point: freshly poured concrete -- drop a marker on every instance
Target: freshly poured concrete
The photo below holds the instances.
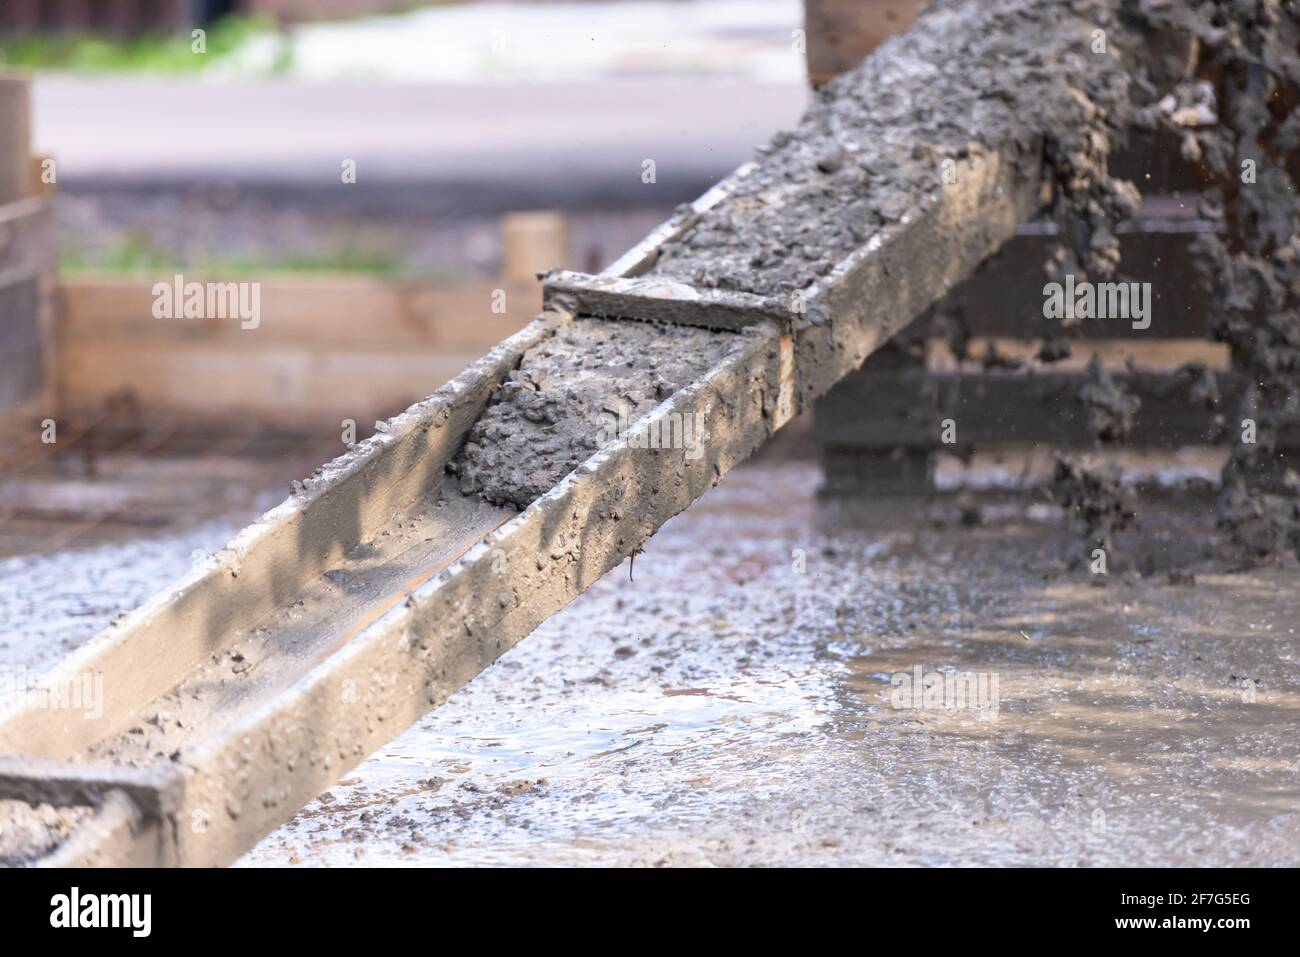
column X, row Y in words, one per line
column 572, row 394
column 1013, row 78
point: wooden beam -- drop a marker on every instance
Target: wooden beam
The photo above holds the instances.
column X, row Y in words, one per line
column 16, row 144
column 326, row 348
column 840, row 33
column 27, row 380
column 466, row 586
column 533, row 243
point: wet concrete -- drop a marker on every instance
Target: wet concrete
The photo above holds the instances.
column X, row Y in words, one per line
column 574, row 393
column 1013, row 77
column 726, row 707
column 53, row 602
column 1250, row 155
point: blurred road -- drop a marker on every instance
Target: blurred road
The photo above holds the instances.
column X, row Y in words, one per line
column 478, row 146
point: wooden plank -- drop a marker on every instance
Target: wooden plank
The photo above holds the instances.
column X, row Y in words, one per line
column 16, row 143
column 274, row 384
column 839, row 33
column 39, row 185
column 533, row 243
column 1150, row 355
column 325, row 348
column 312, row 313
column 27, row 374
column 659, row 298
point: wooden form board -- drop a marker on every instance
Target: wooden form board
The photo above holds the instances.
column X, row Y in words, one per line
column 27, row 270
column 325, row 348
column 841, row 32
column 1003, row 408
column 27, row 276
column 16, row 129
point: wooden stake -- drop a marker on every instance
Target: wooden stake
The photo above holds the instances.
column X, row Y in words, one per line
column 533, row 243
column 15, row 136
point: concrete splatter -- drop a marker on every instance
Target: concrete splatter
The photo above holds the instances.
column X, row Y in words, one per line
column 1249, row 67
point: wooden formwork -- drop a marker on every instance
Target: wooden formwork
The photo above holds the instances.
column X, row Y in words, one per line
column 841, row 32
column 28, row 270
column 326, row 348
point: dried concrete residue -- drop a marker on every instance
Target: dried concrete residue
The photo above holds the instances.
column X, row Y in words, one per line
column 1252, row 270
column 28, row 833
column 875, row 143
column 570, row 393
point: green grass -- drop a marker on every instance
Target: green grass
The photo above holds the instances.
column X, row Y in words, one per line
column 137, row 255
column 151, row 53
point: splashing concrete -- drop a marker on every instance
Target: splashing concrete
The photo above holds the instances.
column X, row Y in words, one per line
column 1252, row 271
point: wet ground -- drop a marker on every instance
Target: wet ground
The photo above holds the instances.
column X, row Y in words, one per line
column 733, row 699
column 723, row 706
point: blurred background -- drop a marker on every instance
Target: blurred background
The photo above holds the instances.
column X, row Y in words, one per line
column 453, row 113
